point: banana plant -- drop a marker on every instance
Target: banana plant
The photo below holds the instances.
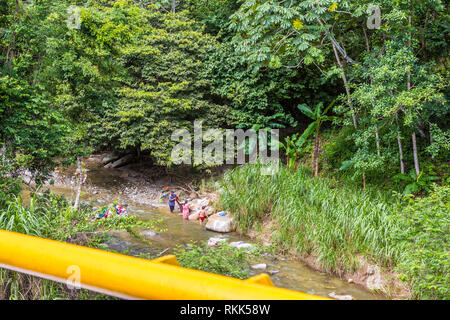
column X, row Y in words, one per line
column 292, row 150
column 319, row 117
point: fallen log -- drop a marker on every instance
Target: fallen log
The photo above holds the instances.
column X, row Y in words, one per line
column 110, row 158
column 121, row 162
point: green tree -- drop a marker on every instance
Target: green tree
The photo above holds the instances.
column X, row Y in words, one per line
column 165, row 88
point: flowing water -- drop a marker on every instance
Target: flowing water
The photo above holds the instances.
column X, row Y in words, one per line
column 285, row 273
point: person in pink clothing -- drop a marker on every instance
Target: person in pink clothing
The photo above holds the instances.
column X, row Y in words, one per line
column 186, row 210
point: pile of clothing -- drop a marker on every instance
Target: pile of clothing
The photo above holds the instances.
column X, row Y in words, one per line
column 111, row 210
column 164, row 194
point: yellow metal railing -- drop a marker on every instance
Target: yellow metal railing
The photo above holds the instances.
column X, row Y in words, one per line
column 129, row 277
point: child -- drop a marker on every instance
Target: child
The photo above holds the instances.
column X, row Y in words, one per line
column 186, row 210
column 202, row 214
column 179, row 204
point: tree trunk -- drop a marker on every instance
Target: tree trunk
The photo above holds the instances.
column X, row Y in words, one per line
column 402, row 165
column 347, row 89
column 400, row 149
column 173, row 6
column 139, row 154
column 82, row 179
column 3, row 154
column 423, row 39
column 325, row 158
column 431, row 138
column 377, row 139
column 416, row 157
column 316, row 154
column 364, row 180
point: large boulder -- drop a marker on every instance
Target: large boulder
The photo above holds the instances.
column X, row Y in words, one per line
column 149, row 233
column 209, row 211
column 193, row 195
column 220, row 224
column 199, row 203
column 194, row 216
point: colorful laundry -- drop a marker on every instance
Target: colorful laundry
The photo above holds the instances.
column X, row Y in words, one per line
column 111, row 210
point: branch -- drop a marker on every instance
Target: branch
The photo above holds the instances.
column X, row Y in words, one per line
column 296, row 66
column 338, row 47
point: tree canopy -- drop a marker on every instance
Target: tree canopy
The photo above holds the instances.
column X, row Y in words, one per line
column 132, row 72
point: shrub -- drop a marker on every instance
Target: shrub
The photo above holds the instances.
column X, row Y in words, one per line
column 424, row 230
column 223, row 259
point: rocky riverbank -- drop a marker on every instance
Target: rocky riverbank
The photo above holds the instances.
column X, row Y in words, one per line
column 111, row 176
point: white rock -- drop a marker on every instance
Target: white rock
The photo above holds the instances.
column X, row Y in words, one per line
column 214, row 241
column 109, row 158
column 120, row 162
column 194, row 216
column 149, row 233
column 243, row 245
column 261, row 266
column 374, row 280
column 236, row 243
column 220, row 224
column 274, row 272
column 335, row 296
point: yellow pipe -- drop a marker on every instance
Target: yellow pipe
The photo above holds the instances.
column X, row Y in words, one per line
column 131, row 277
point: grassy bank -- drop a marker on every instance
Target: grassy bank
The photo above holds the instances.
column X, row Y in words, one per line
column 337, row 223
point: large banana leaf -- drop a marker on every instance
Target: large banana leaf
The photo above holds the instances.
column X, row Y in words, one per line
column 346, row 164
column 311, row 128
column 318, row 108
column 329, row 106
column 307, row 111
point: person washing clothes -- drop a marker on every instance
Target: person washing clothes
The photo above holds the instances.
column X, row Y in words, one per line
column 186, row 210
column 172, row 198
column 177, row 199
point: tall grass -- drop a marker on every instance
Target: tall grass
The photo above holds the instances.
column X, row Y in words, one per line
column 338, row 222
column 28, row 220
column 321, row 217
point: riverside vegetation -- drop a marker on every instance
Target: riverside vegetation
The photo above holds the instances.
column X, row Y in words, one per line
column 337, row 223
column 51, row 216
